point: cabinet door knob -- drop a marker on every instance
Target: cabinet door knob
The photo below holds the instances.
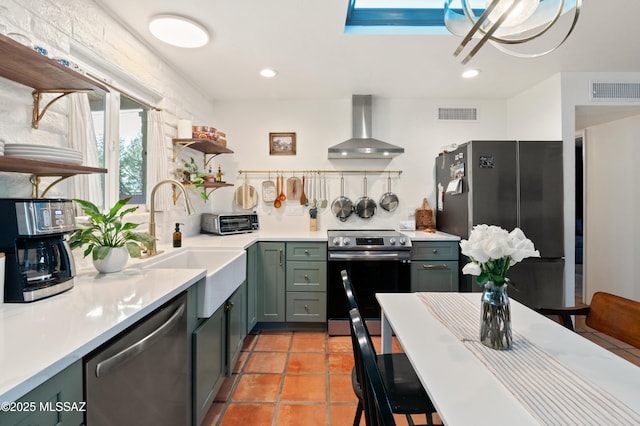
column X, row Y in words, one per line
column 306, row 308
column 306, row 277
column 434, row 251
column 306, row 252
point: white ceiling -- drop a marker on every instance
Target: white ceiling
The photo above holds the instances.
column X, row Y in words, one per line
column 305, row 41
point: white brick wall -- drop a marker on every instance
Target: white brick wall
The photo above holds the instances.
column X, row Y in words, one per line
column 54, row 24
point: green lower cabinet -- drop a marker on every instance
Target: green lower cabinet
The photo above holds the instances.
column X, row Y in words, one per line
column 57, row 402
column 434, row 266
column 434, row 276
column 209, row 362
column 252, row 287
column 271, row 282
column 306, row 306
column 237, row 320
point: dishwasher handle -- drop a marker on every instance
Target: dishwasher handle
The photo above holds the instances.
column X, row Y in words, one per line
column 104, row 367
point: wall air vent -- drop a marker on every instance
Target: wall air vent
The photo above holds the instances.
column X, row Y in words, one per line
column 601, row 91
column 458, row 114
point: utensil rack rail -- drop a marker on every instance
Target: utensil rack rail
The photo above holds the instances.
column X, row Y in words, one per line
column 338, row 172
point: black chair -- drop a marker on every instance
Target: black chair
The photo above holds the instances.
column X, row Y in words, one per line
column 406, row 394
column 377, row 407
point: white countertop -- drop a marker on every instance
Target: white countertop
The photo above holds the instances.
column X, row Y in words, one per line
column 40, row 339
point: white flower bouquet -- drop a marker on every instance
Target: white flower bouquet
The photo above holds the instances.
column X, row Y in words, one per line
column 493, row 251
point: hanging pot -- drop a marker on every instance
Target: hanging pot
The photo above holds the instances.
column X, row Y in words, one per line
column 389, row 200
column 342, row 207
column 365, row 207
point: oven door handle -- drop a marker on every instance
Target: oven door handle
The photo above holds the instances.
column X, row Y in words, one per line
column 370, row 256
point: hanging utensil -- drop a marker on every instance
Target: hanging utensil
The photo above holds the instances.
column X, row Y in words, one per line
column 323, row 199
column 277, row 203
column 389, row 200
column 293, row 188
column 342, row 207
column 303, row 196
column 314, row 196
column 269, row 190
column 246, row 196
column 282, row 196
column 365, row 207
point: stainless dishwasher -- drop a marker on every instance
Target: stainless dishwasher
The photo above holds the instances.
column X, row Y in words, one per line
column 140, row 377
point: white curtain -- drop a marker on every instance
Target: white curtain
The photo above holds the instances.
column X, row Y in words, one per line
column 158, row 161
column 82, row 137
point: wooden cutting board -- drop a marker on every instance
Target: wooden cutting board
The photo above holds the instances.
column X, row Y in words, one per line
column 294, row 188
column 425, row 216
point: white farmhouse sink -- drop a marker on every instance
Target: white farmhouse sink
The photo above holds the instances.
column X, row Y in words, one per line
column 226, row 270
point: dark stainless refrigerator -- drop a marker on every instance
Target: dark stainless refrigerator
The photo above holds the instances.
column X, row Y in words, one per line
column 509, row 184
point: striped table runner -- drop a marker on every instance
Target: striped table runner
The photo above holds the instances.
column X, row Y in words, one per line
column 550, row 391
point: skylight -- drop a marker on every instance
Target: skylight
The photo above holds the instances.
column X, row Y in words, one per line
column 395, row 17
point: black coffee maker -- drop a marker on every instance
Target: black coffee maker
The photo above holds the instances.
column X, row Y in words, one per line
column 39, row 262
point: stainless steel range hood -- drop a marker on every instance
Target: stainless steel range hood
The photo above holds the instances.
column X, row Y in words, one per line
column 362, row 145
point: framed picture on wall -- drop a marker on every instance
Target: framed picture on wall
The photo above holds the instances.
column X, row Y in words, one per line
column 282, row 144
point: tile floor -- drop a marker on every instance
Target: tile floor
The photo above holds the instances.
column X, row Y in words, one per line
column 290, row 378
column 622, row 349
column 304, row 378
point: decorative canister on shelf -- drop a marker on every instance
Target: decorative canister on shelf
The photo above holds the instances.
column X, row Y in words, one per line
column 492, row 251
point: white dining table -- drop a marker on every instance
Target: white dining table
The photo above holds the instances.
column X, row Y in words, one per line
column 466, row 392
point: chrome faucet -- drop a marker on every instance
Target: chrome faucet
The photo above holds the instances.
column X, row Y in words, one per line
column 152, row 215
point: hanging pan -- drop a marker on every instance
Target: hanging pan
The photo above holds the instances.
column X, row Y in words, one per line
column 342, row 207
column 365, row 207
column 389, row 200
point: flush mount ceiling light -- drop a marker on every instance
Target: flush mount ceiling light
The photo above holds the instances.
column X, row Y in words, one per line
column 470, row 73
column 178, row 31
column 268, row 72
column 508, row 24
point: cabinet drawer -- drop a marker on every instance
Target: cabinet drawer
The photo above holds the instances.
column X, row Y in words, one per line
column 306, row 276
column 434, row 276
column 306, row 306
column 307, row 251
column 434, row 250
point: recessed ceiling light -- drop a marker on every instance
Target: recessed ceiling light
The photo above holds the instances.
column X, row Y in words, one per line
column 178, row 31
column 268, row 73
column 470, row 73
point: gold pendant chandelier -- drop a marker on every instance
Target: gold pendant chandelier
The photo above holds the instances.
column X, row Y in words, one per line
column 521, row 28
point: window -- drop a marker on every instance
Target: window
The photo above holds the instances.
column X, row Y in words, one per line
column 120, row 124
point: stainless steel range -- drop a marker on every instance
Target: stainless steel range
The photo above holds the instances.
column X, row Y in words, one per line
column 377, row 261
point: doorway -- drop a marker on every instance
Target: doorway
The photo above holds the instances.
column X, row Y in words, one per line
column 579, row 220
column 601, row 164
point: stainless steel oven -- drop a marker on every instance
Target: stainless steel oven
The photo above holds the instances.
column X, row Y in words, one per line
column 377, row 261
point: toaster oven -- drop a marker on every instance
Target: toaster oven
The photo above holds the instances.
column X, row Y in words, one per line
column 228, row 223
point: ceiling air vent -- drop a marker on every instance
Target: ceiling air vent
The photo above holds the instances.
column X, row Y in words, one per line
column 615, row 91
column 458, row 114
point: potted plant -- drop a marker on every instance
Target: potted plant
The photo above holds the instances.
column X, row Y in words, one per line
column 196, row 177
column 106, row 236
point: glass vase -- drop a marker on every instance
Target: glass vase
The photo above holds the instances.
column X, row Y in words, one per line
column 495, row 317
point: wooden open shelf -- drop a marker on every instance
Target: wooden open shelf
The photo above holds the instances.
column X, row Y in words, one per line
column 44, row 168
column 28, row 67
